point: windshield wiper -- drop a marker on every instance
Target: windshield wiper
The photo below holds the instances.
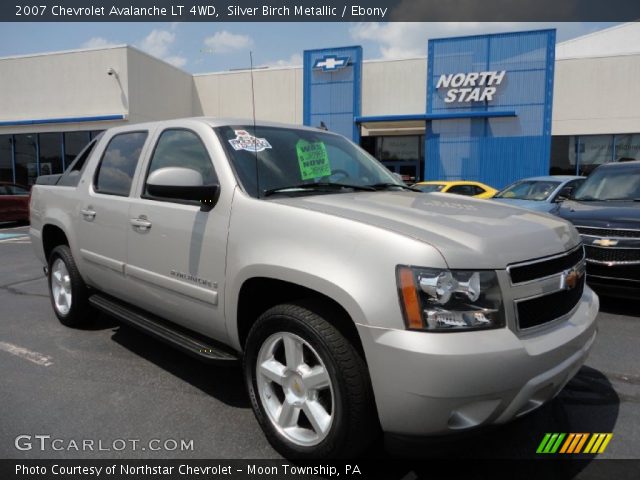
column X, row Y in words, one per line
column 622, row 200
column 383, row 186
column 319, row 186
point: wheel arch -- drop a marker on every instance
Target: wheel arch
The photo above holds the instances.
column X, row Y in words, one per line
column 52, row 236
column 259, row 293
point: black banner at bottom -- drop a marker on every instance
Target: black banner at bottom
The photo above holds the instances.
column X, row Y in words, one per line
column 395, row 469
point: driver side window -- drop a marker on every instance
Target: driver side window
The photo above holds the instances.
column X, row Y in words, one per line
column 181, row 148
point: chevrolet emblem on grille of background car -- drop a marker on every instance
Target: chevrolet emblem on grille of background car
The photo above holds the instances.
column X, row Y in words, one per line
column 605, row 242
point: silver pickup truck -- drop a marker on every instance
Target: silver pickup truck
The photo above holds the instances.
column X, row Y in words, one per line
column 354, row 303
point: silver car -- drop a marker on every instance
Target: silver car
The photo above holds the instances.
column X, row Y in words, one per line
column 542, row 194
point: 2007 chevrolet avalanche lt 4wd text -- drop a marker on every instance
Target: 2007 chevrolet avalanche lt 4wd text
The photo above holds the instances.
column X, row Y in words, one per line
column 353, row 302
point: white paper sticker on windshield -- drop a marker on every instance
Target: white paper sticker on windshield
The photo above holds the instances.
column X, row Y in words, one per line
column 245, row 141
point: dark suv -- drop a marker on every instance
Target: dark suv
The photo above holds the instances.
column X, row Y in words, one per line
column 606, row 212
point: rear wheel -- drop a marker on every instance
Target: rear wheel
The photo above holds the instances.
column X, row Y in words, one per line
column 67, row 290
column 308, row 385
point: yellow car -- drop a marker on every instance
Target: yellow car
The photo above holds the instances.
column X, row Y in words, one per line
column 461, row 187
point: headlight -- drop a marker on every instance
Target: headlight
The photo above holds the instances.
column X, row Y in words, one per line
column 438, row 300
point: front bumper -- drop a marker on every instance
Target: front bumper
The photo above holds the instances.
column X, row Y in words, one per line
column 440, row 383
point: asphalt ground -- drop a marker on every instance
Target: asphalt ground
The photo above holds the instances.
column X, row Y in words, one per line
column 111, row 384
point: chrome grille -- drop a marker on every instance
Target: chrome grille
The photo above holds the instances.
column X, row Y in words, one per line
column 608, row 232
column 612, row 255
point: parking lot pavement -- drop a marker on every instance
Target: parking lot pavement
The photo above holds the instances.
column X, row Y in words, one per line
column 110, row 382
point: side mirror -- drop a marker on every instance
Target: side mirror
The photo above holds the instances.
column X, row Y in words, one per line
column 565, row 194
column 183, row 184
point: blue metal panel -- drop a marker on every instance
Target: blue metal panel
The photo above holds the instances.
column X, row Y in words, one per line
column 332, row 89
column 467, row 142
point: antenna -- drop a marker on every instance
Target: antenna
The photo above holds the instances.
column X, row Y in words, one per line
column 255, row 133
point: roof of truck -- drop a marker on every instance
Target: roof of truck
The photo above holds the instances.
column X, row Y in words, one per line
column 217, row 122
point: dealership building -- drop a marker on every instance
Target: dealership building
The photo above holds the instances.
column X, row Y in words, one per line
column 493, row 108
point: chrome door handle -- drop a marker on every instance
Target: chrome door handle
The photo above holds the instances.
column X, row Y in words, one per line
column 88, row 215
column 141, row 224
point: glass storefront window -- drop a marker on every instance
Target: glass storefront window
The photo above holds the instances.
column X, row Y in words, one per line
column 563, row 155
column 50, row 153
column 401, row 154
column 26, row 159
column 6, row 159
column 74, row 142
column 627, row 147
column 401, row 148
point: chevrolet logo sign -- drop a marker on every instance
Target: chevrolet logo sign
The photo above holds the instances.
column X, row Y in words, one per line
column 330, row 63
column 605, row 242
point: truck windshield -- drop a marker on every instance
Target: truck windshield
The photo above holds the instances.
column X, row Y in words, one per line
column 608, row 184
column 290, row 161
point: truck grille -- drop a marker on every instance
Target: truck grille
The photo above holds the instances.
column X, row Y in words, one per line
column 542, row 268
column 545, row 309
column 608, row 232
column 612, row 255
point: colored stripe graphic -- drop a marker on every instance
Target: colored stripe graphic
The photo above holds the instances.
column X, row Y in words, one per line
column 550, row 443
column 581, row 443
column 543, row 443
column 606, row 442
column 574, row 443
column 567, row 443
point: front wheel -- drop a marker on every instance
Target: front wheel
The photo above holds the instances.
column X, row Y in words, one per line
column 309, row 387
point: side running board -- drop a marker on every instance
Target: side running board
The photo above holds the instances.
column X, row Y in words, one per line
column 190, row 342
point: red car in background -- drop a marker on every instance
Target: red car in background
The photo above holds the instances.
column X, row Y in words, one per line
column 14, row 203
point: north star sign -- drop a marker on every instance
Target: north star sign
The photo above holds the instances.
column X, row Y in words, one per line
column 329, row 63
column 470, row 87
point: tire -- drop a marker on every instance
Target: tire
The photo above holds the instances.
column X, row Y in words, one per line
column 67, row 291
column 326, row 415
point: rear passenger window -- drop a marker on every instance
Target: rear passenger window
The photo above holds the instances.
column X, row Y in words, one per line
column 182, row 148
column 118, row 164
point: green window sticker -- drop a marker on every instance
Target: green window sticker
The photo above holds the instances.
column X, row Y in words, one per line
column 313, row 159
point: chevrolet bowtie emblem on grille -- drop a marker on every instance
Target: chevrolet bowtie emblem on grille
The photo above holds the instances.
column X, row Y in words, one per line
column 605, row 242
column 569, row 279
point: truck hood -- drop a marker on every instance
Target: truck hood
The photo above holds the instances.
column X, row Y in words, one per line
column 542, row 206
column 610, row 214
column 469, row 233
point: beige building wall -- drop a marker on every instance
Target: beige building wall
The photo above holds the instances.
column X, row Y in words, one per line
column 157, row 90
column 63, row 85
column 278, row 94
column 592, row 95
column 597, row 95
column 394, row 87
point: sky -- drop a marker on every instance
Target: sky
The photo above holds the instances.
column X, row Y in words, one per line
column 209, row 47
